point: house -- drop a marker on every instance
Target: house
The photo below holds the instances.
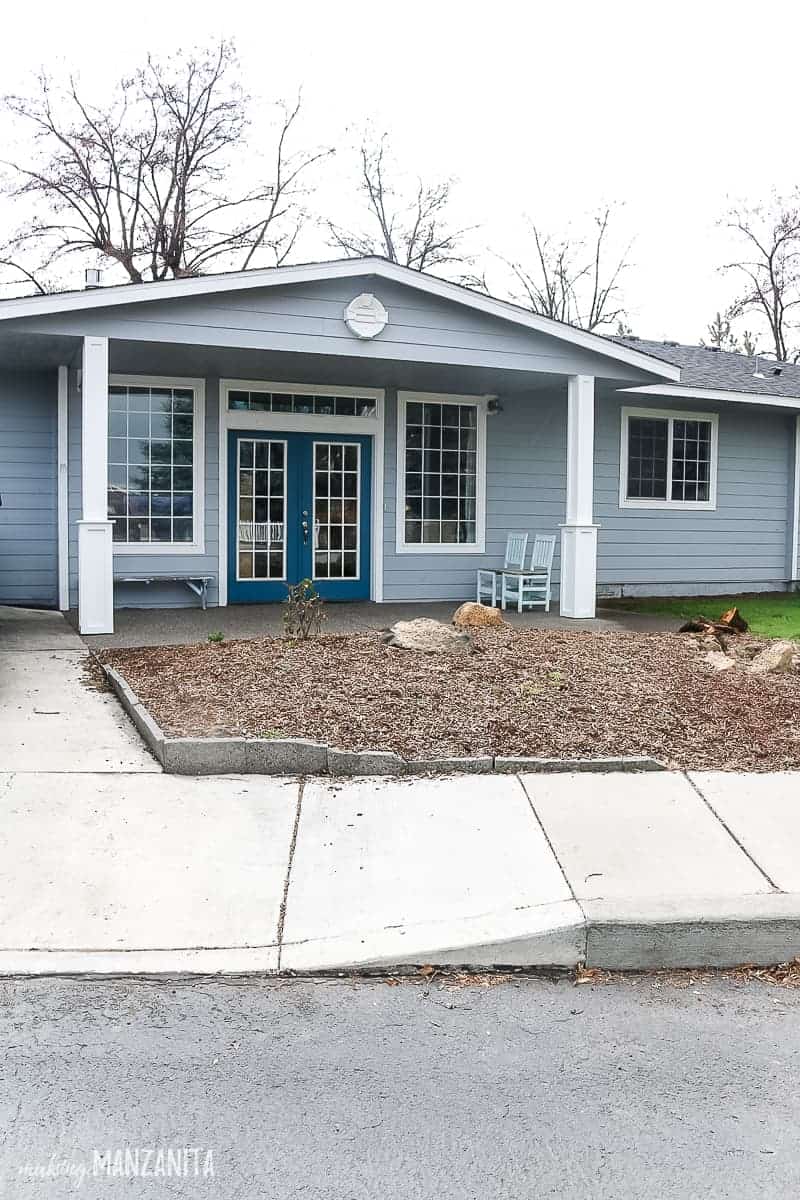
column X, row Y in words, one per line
column 380, row 431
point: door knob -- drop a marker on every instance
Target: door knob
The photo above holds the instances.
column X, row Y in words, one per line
column 304, row 526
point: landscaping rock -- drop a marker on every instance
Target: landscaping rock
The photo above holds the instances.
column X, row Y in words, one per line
column 719, row 660
column 428, row 636
column 778, row 656
column 477, row 615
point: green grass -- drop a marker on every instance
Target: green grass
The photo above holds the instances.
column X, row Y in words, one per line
column 776, row 615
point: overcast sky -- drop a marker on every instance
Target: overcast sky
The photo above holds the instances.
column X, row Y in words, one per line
column 541, row 109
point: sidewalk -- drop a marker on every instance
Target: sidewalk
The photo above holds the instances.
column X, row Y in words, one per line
column 141, row 872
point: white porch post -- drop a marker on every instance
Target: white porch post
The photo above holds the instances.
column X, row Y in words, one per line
column 95, row 562
column 578, row 533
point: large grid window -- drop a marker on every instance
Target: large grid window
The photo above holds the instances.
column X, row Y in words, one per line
column 668, row 459
column 441, row 474
column 151, row 464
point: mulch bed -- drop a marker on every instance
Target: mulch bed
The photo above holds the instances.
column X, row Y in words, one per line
column 548, row 693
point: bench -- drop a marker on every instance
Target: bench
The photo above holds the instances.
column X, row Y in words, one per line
column 195, row 583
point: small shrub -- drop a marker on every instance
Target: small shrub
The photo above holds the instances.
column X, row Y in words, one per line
column 302, row 612
column 219, row 636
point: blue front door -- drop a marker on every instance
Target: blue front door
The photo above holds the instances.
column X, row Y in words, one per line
column 299, row 508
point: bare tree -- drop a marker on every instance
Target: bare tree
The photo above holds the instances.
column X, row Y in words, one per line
column 406, row 223
column 770, row 268
column 721, row 335
column 569, row 279
column 144, row 180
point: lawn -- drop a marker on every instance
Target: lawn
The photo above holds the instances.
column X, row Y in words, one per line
column 775, row 615
column 544, row 692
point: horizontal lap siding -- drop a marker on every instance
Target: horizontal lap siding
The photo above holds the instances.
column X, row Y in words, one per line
column 744, row 543
column 525, row 489
column 155, row 595
column 309, row 319
column 29, row 488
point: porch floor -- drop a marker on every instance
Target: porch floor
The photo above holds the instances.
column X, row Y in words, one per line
column 182, row 626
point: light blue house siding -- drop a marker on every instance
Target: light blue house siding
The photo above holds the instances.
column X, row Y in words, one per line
column 155, row 595
column 745, row 544
column 526, row 447
column 28, row 486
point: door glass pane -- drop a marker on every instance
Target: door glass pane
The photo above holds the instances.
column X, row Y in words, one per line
column 337, row 471
column 262, row 522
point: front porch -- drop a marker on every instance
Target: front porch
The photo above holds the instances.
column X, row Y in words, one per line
column 192, row 626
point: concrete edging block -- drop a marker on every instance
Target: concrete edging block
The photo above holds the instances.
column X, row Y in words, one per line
column 285, row 756
column 365, row 762
column 149, row 730
column 567, row 765
column 482, row 764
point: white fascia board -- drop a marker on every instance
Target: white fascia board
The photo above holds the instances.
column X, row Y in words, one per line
column 202, row 285
column 687, row 392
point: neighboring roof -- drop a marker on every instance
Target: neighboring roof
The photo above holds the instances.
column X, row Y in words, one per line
column 707, row 370
column 171, row 289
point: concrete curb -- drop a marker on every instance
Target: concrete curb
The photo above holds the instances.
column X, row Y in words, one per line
column 621, row 935
column 300, row 756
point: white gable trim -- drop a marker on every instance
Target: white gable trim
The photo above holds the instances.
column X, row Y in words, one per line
column 687, row 392
column 353, row 268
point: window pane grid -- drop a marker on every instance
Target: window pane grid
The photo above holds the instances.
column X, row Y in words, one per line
column 261, row 497
column 336, row 508
column 669, row 458
column 306, row 403
column 440, row 473
column 151, row 464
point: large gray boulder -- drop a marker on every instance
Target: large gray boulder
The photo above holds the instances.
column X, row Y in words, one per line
column 777, row 656
column 428, row 636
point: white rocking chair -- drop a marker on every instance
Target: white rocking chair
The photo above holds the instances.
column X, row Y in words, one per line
column 516, row 545
column 531, row 587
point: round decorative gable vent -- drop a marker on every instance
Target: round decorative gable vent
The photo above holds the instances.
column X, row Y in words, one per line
column 365, row 316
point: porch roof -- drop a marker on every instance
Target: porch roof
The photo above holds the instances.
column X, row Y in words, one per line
column 33, row 308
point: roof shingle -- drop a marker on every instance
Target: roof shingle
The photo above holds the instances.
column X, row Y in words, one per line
column 723, row 370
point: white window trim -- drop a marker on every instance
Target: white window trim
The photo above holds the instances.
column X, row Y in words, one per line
column 477, row 547
column 304, row 423
column 664, row 414
column 197, row 546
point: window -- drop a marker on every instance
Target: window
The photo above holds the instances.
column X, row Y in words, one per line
column 302, row 402
column 155, row 464
column 668, row 460
column 441, row 449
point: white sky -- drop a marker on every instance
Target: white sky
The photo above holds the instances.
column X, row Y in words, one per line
column 546, row 109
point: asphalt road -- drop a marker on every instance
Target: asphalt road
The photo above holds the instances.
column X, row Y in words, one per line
column 349, row 1089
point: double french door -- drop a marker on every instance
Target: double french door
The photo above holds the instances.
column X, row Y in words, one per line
column 299, row 508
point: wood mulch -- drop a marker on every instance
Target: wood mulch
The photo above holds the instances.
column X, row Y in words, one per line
column 548, row 693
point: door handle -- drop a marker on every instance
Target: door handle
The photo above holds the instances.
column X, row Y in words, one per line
column 304, row 527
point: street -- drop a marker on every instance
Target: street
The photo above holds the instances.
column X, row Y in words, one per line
column 426, row 1087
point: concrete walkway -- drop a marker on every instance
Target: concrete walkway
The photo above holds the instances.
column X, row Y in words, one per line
column 143, row 873
column 50, row 719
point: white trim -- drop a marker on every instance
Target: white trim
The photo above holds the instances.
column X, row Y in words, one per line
column 63, row 488
column 353, row 268
column 796, row 514
column 479, row 545
column 580, row 450
column 669, row 415
column 688, row 392
column 197, row 545
column 241, row 418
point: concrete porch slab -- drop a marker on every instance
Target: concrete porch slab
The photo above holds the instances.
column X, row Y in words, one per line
column 443, row 870
column 631, row 837
column 763, row 813
column 142, row 862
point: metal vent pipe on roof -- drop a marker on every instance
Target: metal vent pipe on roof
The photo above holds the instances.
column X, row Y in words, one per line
column 94, row 277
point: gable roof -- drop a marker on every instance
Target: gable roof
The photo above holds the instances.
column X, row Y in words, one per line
column 704, row 369
column 203, row 285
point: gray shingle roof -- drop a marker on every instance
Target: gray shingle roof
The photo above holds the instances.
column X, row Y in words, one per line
column 721, row 370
